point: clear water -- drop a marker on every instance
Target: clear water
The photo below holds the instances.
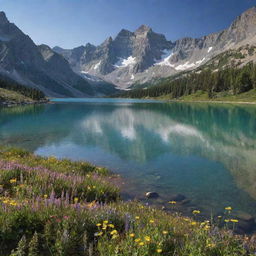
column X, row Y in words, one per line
column 204, row 151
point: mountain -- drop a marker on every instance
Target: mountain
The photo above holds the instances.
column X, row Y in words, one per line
column 38, row 66
column 138, row 57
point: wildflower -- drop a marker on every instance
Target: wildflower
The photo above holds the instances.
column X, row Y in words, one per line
column 76, row 199
column 228, row 208
column 45, row 196
column 165, row 232
column 151, row 221
column 193, row 223
column 137, row 240
column 98, row 224
column 13, row 181
column 172, row 202
column 226, row 220
column 111, row 225
column 132, row 235
column 219, row 217
column 137, row 217
column 207, row 227
column 113, row 232
column 105, row 221
column 234, row 220
column 159, row 250
column 147, row 238
column 196, row 212
column 98, row 234
column 141, row 243
column 210, row 245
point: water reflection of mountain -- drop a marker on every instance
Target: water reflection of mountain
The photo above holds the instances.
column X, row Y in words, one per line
column 142, row 132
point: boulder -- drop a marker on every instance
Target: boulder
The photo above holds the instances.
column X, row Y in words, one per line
column 177, row 197
column 151, row 195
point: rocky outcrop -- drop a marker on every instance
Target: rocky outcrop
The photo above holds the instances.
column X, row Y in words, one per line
column 39, row 66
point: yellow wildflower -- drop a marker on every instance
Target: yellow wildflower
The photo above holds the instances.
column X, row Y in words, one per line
column 172, row 202
column 113, row 232
column 137, row 240
column 45, row 196
column 141, row 243
column 193, row 223
column 76, row 199
column 234, row 220
column 137, row 217
column 147, row 238
column 132, row 235
column 151, row 221
column 207, row 227
column 196, row 212
column 99, row 234
column 226, row 220
column 98, row 224
column 105, row 221
column 111, row 225
column 159, row 250
column 228, row 208
column 210, row 245
column 13, row 181
column 165, row 232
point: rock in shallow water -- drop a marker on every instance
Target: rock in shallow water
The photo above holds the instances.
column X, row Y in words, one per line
column 177, row 197
column 151, row 195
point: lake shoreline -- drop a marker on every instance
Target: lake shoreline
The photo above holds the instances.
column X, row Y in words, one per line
column 213, row 101
column 15, row 104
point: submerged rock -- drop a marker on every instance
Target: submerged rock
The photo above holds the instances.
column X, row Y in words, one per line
column 244, row 216
column 177, row 197
column 246, row 222
column 151, row 195
column 185, row 201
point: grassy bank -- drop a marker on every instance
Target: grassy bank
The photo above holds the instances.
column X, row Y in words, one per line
column 9, row 97
column 60, row 207
column 222, row 97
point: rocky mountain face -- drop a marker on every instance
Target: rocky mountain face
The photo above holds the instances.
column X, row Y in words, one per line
column 39, row 66
column 138, row 57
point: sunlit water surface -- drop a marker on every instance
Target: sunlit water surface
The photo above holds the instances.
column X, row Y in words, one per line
column 206, row 152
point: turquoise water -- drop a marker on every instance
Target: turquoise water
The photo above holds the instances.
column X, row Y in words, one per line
column 206, row 152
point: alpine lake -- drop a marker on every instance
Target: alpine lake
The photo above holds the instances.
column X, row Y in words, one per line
column 203, row 155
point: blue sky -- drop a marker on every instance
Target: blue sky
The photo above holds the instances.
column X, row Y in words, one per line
column 70, row 23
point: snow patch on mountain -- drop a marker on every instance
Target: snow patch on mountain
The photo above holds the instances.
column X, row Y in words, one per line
column 164, row 61
column 209, row 49
column 97, row 65
column 121, row 63
column 188, row 65
column 86, row 75
column 200, row 61
column 185, row 66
